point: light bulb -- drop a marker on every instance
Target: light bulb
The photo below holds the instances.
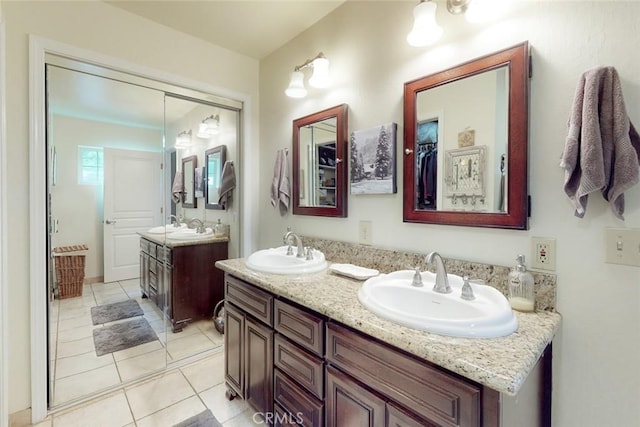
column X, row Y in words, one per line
column 296, row 87
column 425, row 30
column 320, row 77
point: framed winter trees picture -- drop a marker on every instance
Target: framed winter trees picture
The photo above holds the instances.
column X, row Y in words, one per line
column 373, row 160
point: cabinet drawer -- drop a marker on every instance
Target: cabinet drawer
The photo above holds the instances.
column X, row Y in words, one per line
column 165, row 254
column 283, row 419
column 250, row 299
column 306, row 409
column 144, row 245
column 434, row 394
column 399, row 417
column 300, row 326
column 305, row 368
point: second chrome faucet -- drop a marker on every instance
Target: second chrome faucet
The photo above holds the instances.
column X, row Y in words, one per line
column 442, row 281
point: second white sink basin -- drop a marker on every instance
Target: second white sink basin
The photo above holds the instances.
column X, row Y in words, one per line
column 276, row 261
column 169, row 228
column 392, row 297
column 190, row 234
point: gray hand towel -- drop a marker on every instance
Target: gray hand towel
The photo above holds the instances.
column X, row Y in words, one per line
column 227, row 184
column 177, row 188
column 601, row 149
column 280, row 183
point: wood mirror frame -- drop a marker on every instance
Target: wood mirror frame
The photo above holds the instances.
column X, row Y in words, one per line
column 516, row 60
column 189, row 181
column 211, row 197
column 339, row 209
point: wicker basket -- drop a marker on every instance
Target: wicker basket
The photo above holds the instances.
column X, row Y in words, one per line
column 69, row 272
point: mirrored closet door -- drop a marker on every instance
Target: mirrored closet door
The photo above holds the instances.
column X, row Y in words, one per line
column 122, row 300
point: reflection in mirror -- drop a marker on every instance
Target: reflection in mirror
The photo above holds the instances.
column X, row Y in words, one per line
column 466, row 143
column 319, row 169
column 189, row 165
column 214, row 159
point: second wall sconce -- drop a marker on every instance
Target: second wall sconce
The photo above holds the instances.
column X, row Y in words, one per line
column 209, row 126
column 319, row 78
column 183, row 140
column 426, row 30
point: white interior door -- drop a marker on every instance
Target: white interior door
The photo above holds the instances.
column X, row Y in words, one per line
column 132, row 203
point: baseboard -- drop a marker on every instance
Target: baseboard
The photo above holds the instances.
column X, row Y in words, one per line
column 20, row 418
column 91, row 280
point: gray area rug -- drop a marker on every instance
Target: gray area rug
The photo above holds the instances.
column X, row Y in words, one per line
column 203, row 419
column 122, row 335
column 116, row 311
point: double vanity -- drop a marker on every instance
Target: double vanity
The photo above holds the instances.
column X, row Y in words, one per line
column 304, row 348
column 177, row 272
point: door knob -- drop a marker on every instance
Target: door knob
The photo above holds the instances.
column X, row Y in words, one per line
column 109, row 222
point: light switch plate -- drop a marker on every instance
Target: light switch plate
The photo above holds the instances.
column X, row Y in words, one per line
column 622, row 246
column 364, row 235
column 543, row 253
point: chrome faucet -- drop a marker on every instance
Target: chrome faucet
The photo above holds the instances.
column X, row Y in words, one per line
column 176, row 223
column 198, row 221
column 442, row 281
column 298, row 241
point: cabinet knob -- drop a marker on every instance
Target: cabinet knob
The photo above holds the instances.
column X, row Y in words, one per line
column 338, row 160
column 109, row 222
column 408, row 151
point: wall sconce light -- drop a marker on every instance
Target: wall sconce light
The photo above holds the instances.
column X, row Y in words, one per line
column 319, row 78
column 183, row 140
column 208, row 126
column 426, row 30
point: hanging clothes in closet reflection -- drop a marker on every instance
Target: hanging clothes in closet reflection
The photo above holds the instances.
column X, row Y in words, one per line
column 427, row 167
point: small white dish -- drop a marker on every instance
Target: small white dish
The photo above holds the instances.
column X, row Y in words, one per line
column 354, row 271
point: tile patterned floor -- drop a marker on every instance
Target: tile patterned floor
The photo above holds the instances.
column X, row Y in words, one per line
column 77, row 371
column 164, row 400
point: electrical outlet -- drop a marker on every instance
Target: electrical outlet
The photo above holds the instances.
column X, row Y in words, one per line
column 543, row 251
column 622, row 246
column 365, row 236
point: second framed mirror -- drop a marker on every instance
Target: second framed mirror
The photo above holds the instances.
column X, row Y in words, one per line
column 465, row 143
column 214, row 159
column 320, row 163
column 189, row 165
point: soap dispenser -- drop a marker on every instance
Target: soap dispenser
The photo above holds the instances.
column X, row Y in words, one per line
column 521, row 295
column 218, row 229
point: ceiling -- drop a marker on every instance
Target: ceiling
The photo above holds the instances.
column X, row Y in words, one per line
column 253, row 28
column 236, row 25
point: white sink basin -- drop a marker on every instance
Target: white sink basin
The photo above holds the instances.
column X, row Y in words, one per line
column 276, row 261
column 169, row 228
column 392, row 297
column 190, row 234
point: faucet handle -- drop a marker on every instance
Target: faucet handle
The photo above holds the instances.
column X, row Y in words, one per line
column 308, row 253
column 417, row 278
column 467, row 291
column 289, row 250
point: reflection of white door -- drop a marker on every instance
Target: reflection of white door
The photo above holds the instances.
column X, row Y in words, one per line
column 132, row 203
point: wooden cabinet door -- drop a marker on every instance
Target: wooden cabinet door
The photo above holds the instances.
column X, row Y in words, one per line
column 162, row 284
column 258, row 368
column 350, row 404
column 234, row 348
column 144, row 274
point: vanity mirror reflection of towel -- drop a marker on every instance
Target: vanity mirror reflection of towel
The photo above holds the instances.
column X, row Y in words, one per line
column 227, row 185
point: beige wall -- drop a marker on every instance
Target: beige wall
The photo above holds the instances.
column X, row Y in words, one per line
column 101, row 28
column 596, row 375
column 78, row 208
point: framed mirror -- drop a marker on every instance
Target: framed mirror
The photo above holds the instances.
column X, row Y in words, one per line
column 320, row 163
column 465, row 143
column 189, row 165
column 214, row 159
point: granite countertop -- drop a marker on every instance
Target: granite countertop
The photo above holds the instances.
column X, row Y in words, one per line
column 502, row 364
column 162, row 240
